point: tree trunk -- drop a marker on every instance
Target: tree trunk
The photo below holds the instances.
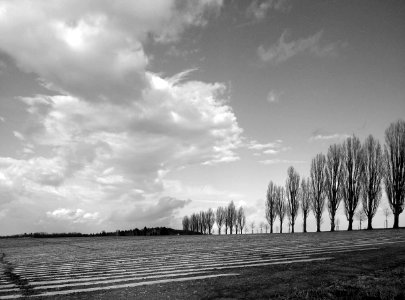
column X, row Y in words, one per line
column 281, row 227
column 350, row 228
column 292, row 227
column 305, row 223
column 271, row 227
column 396, row 220
column 369, row 225
column 318, row 224
column 332, row 223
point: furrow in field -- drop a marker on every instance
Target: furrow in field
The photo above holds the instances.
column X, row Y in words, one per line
column 165, row 269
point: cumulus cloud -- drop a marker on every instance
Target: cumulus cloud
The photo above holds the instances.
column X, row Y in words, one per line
column 94, row 49
column 113, row 130
column 161, row 213
column 258, row 10
column 283, row 50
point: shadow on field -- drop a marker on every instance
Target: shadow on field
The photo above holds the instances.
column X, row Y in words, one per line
column 10, row 276
column 375, row 274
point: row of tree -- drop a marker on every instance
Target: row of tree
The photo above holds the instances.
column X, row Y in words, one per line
column 227, row 216
column 350, row 172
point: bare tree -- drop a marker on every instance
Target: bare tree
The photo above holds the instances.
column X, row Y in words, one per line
column 186, row 223
column 266, row 227
column 318, row 188
column 241, row 219
column 231, row 216
column 361, row 216
column 386, row 214
column 394, row 158
column 220, row 218
column 352, row 172
column 210, row 216
column 333, row 181
column 194, row 222
column 226, row 219
column 203, row 220
column 305, row 197
column 292, row 186
column 252, row 226
column 261, row 225
column 281, row 207
column 372, row 177
column 271, row 205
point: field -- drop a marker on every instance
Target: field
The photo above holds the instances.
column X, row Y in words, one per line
column 358, row 264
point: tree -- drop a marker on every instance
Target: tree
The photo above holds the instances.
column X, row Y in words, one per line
column 226, row 219
column 394, row 158
column 372, row 177
column 305, row 197
column 333, row 180
column 220, row 218
column 210, row 217
column 186, row 223
column 352, row 172
column 318, row 188
column 266, row 227
column 252, row 226
column 271, row 205
column 231, row 215
column 194, row 223
column 361, row 216
column 241, row 219
column 281, row 206
column 261, row 225
column 292, row 186
column 386, row 214
column 203, row 222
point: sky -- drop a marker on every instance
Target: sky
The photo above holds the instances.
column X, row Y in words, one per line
column 124, row 114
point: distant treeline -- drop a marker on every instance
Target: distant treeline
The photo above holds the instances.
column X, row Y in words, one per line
column 154, row 231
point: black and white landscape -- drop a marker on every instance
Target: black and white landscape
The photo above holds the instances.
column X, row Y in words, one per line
column 243, row 129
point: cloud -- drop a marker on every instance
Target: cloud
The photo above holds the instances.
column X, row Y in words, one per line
column 73, row 216
column 94, row 49
column 258, row 10
column 273, row 97
column 161, row 213
column 113, row 130
column 281, row 161
column 327, row 137
column 275, row 147
column 18, row 135
column 283, row 50
column 2, row 119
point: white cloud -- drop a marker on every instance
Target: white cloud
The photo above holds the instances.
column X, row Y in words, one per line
column 74, row 216
column 281, row 161
column 283, row 50
column 115, row 131
column 275, row 147
column 19, row 135
column 94, row 49
column 2, row 119
column 273, row 96
column 326, row 137
column 259, row 9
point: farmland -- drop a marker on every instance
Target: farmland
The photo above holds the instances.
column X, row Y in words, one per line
column 245, row 266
